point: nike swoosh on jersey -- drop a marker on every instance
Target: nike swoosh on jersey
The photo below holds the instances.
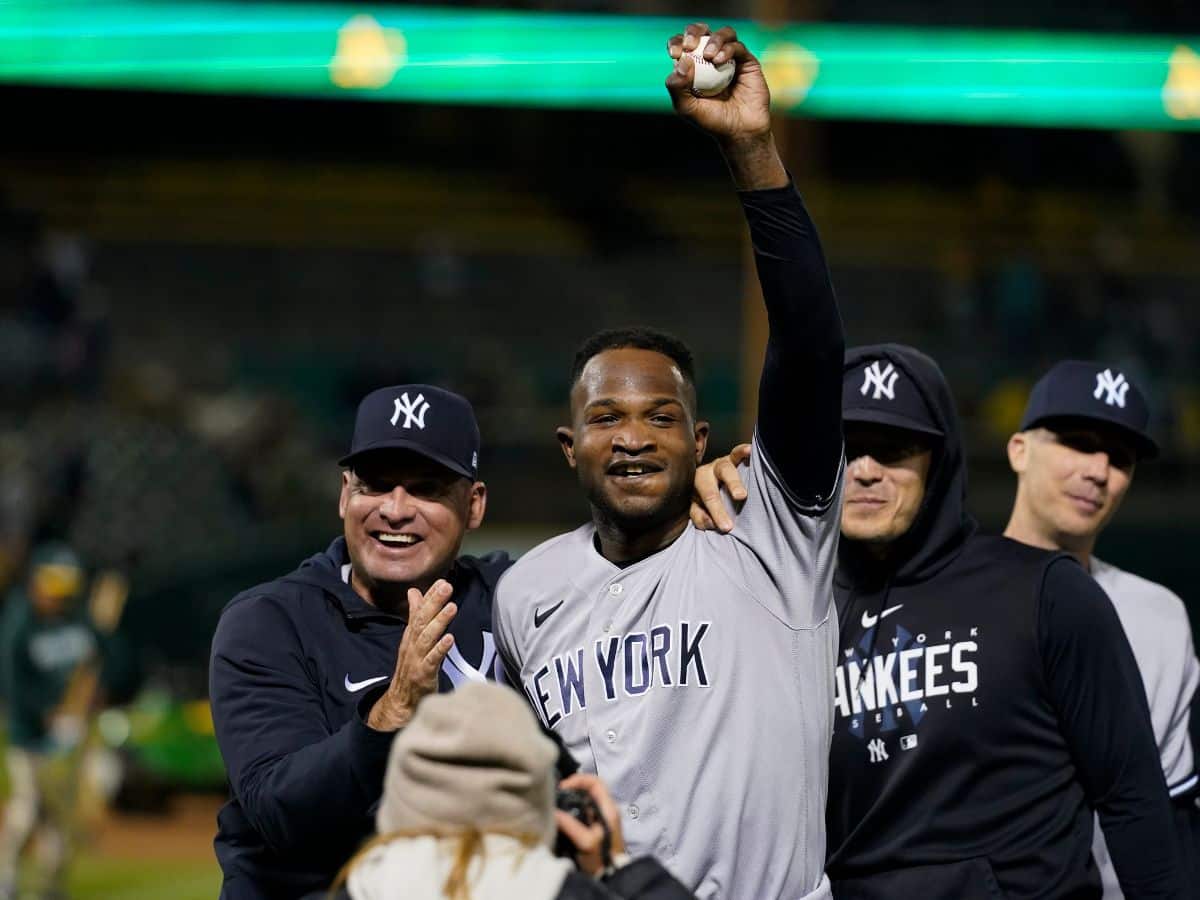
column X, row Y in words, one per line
column 869, row 621
column 355, row 686
column 539, row 617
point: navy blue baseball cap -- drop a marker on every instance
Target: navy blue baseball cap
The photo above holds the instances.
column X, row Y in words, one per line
column 879, row 391
column 1076, row 389
column 433, row 422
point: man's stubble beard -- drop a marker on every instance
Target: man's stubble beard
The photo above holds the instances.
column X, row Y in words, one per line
column 667, row 509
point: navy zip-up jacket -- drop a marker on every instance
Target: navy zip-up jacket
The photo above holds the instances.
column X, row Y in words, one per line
column 296, row 665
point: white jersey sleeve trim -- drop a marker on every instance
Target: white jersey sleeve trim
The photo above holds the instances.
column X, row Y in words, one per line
column 1184, row 786
column 823, row 503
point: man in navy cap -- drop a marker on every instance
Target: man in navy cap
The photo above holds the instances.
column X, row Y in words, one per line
column 306, row 682
column 311, row 675
column 1081, row 438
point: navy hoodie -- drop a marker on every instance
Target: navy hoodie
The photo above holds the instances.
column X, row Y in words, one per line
column 986, row 701
column 296, row 665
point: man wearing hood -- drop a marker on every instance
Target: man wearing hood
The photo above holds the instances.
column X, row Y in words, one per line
column 986, row 697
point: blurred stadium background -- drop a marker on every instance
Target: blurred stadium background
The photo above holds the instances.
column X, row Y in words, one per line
column 196, row 288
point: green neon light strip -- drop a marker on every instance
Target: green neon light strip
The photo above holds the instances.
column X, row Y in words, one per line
column 587, row 61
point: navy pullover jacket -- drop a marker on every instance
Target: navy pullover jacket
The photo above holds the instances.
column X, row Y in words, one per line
column 296, row 665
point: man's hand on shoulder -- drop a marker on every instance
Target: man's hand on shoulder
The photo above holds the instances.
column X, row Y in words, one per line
column 708, row 508
column 739, row 118
column 423, row 648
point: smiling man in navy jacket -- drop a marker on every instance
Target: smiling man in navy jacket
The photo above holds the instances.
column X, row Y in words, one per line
column 306, row 682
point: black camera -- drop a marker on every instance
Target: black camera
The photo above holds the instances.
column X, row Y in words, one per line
column 579, row 805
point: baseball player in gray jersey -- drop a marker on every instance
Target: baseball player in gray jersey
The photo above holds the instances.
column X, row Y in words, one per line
column 693, row 670
column 1083, row 432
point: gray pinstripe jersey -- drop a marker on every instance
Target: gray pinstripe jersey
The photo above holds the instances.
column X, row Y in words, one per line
column 698, row 683
column 1156, row 623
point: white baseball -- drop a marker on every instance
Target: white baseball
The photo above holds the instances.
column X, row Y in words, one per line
column 709, row 80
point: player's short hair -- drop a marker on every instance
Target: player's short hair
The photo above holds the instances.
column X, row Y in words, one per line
column 639, row 339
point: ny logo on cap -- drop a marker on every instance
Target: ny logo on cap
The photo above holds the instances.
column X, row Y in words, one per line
column 1113, row 388
column 414, row 411
column 884, row 381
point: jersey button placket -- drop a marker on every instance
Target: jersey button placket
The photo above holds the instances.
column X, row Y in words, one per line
column 614, row 590
column 605, row 741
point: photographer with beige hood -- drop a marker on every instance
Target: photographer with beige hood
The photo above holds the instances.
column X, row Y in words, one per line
column 468, row 811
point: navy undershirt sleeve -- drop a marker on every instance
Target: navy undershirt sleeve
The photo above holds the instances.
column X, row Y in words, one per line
column 799, row 395
column 1097, row 691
